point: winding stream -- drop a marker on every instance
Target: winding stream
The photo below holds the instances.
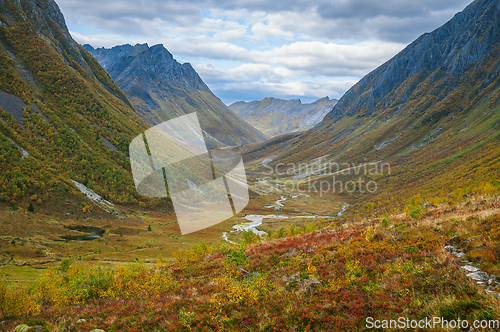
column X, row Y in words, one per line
column 343, row 209
column 255, row 220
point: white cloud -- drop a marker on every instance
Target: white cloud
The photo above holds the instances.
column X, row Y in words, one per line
column 390, row 20
column 333, row 59
column 287, row 48
column 102, row 40
column 269, row 28
column 304, row 59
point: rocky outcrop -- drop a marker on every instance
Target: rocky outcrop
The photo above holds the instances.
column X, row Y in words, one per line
column 151, row 64
column 488, row 282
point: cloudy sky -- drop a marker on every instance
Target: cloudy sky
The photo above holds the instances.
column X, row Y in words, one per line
column 252, row 49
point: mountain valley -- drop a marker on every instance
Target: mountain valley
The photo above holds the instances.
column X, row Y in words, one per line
column 382, row 204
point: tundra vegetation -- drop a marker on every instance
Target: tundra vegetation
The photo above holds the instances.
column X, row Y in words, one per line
column 316, row 276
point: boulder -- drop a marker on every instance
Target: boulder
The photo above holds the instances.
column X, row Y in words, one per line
column 450, row 249
column 22, row 328
column 310, row 284
column 470, row 268
column 479, row 276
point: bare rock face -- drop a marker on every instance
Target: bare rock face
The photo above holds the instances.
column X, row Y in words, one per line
column 151, row 64
column 426, row 93
column 446, row 55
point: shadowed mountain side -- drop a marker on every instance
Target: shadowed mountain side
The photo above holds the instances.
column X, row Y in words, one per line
column 431, row 87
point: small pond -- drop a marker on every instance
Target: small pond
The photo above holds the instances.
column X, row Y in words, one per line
column 91, row 233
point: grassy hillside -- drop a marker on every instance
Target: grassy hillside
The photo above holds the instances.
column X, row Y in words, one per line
column 315, row 277
column 77, row 123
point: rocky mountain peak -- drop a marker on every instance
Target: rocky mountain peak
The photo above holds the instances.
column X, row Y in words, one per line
column 322, row 100
column 275, row 116
column 161, row 88
column 152, row 64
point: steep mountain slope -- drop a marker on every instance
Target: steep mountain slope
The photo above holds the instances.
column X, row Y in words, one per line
column 432, row 111
column 276, row 116
column 160, row 89
column 62, row 117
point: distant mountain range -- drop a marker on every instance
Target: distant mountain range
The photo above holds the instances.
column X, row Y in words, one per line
column 160, row 88
column 276, row 116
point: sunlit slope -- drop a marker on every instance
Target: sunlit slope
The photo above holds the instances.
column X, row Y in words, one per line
column 61, row 115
